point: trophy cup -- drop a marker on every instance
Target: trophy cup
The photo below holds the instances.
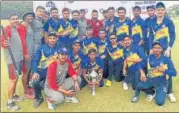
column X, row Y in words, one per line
column 93, row 75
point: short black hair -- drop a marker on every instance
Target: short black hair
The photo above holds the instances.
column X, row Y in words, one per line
column 127, row 36
column 94, row 11
column 102, row 29
column 136, row 7
column 92, row 51
column 110, row 8
column 40, row 7
column 13, row 14
column 75, row 11
column 121, row 8
column 53, row 8
column 112, row 34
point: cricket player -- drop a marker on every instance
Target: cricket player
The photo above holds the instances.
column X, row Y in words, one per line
column 89, row 41
column 46, row 16
column 52, row 24
column 64, row 29
column 105, row 16
column 58, row 88
column 74, row 26
column 102, row 44
column 115, row 63
column 135, row 60
column 138, row 27
column 27, row 24
column 44, row 56
column 122, row 26
column 89, row 64
column 159, row 68
column 37, row 27
column 16, row 40
column 163, row 30
column 109, row 25
column 95, row 23
column 82, row 23
column 76, row 56
column 151, row 17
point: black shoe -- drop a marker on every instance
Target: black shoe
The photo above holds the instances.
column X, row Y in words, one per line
column 12, row 106
column 37, row 102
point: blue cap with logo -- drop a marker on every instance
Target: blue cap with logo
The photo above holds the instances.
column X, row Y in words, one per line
column 157, row 43
column 77, row 41
column 160, row 5
column 62, row 50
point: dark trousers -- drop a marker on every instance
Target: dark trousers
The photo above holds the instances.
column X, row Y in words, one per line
column 84, row 83
column 38, row 85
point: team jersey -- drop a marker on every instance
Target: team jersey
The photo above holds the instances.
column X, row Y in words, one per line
column 153, row 63
column 138, row 30
column 96, row 66
column 89, row 43
column 44, row 56
column 162, row 32
column 115, row 52
column 51, row 25
column 135, row 52
column 74, row 29
column 76, row 59
column 122, row 28
column 101, row 45
column 110, row 24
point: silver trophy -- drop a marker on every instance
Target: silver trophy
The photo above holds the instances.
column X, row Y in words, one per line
column 93, row 75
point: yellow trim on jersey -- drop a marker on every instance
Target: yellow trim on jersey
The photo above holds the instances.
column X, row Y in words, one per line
column 116, row 54
column 123, row 29
column 101, row 49
column 137, row 30
column 133, row 56
column 164, row 32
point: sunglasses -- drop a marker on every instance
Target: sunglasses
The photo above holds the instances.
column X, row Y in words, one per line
column 112, row 38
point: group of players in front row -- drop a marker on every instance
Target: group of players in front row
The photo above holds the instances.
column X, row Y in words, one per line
column 62, row 72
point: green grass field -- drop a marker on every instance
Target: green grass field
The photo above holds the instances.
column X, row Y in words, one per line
column 107, row 99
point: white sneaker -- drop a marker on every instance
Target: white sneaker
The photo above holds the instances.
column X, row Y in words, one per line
column 125, row 86
column 172, row 98
column 150, row 97
column 50, row 105
column 71, row 99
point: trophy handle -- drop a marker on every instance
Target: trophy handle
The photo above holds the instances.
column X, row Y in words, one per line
column 93, row 90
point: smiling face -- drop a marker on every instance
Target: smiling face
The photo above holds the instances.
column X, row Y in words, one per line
column 127, row 41
column 157, row 49
column 14, row 20
column 160, row 12
column 151, row 12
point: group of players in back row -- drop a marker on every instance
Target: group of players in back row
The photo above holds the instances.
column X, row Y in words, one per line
column 60, row 53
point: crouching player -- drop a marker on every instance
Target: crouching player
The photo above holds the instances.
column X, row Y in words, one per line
column 134, row 61
column 89, row 64
column 160, row 68
column 58, row 88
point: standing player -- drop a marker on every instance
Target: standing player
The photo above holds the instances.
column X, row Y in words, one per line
column 138, row 27
column 109, row 25
column 82, row 23
column 52, row 24
column 74, row 26
column 64, row 29
column 151, row 14
column 105, row 15
column 163, row 30
column 16, row 39
column 27, row 22
column 95, row 23
column 122, row 26
column 37, row 27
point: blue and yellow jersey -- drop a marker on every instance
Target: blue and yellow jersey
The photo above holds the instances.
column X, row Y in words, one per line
column 148, row 23
column 115, row 52
column 89, row 43
column 64, row 26
column 76, row 59
column 96, row 66
column 74, row 28
column 122, row 28
column 163, row 32
column 135, row 52
column 51, row 25
column 153, row 63
column 101, row 45
column 138, row 30
column 110, row 24
column 44, row 56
